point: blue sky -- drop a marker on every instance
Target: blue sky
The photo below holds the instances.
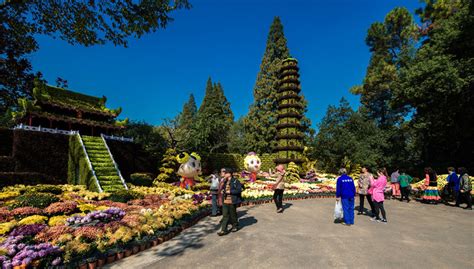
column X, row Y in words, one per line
column 153, row 77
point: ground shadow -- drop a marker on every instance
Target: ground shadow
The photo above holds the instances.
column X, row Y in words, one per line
column 287, row 205
column 190, row 239
column 366, row 211
column 247, row 221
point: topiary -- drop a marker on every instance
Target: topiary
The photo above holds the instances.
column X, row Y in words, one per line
column 292, row 174
column 39, row 200
column 169, row 165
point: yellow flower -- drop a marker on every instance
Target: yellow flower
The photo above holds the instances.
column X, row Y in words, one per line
column 7, row 227
column 8, row 195
column 57, row 220
column 35, row 219
column 87, row 207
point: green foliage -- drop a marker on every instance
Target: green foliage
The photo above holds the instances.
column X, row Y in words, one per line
column 168, row 168
column 292, row 174
column 438, row 85
column 79, row 172
column 38, row 200
column 89, row 23
column 237, row 137
column 45, row 188
column 141, row 179
column 123, row 196
column 149, row 137
column 346, row 134
column 210, row 131
column 262, row 118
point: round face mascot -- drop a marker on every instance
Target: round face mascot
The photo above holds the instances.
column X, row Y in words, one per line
column 252, row 164
column 189, row 169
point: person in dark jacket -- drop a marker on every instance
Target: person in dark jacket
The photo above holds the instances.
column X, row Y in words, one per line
column 345, row 191
column 231, row 190
column 465, row 187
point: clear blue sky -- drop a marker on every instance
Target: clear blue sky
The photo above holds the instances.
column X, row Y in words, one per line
column 153, row 77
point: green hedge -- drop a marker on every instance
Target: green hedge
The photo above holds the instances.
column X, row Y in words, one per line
column 79, row 172
column 26, row 178
column 235, row 161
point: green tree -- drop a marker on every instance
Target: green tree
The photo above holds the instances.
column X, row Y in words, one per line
column 185, row 122
column 261, row 120
column 438, row 85
column 391, row 44
column 346, row 136
column 169, row 166
column 210, row 131
column 77, row 22
column 148, row 137
column 237, row 137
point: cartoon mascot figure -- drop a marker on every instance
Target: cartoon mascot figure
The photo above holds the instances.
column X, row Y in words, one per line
column 189, row 169
column 252, row 164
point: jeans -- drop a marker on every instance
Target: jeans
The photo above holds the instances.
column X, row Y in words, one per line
column 457, row 197
column 348, row 208
column 405, row 193
column 379, row 207
column 361, row 203
column 278, row 198
column 215, row 207
column 229, row 215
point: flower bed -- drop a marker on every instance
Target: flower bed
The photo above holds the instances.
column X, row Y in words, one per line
column 43, row 226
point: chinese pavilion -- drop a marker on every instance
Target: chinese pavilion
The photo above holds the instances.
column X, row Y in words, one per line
column 290, row 112
column 59, row 108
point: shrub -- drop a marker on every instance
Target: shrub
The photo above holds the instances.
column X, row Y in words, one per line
column 39, row 200
column 54, row 189
column 124, row 196
column 141, row 179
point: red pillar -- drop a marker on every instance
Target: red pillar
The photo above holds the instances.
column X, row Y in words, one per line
column 30, row 121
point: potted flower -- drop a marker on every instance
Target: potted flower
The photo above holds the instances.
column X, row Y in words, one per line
column 92, row 262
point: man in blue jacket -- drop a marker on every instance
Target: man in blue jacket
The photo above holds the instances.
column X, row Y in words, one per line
column 345, row 191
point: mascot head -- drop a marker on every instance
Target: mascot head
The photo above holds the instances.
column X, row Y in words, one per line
column 252, row 162
column 190, row 164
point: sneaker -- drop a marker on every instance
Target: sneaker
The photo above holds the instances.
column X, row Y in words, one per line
column 234, row 229
column 373, row 219
column 382, row 220
column 359, row 213
column 280, row 210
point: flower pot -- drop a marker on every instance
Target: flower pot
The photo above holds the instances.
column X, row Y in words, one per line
column 110, row 259
column 128, row 252
column 154, row 243
column 142, row 247
column 82, row 266
column 92, row 265
column 120, row 255
column 100, row 262
column 135, row 249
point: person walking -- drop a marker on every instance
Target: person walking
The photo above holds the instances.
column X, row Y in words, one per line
column 431, row 194
column 394, row 183
column 231, row 193
column 345, row 192
column 465, row 187
column 378, row 195
column 215, row 181
column 453, row 183
column 364, row 184
column 404, row 181
column 279, row 188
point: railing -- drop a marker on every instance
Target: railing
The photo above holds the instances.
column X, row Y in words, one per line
column 119, row 138
column 45, row 130
column 115, row 164
column 89, row 163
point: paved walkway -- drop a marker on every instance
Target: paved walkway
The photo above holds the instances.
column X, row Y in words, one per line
column 304, row 236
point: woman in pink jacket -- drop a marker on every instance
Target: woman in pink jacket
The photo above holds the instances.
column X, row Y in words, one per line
column 378, row 188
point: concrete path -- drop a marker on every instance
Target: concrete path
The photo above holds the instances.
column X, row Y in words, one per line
column 304, row 236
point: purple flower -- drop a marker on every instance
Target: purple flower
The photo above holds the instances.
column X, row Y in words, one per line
column 56, row 261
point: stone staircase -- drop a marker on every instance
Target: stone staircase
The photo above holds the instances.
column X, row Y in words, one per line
column 103, row 164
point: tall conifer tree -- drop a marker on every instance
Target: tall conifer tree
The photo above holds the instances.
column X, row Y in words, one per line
column 260, row 123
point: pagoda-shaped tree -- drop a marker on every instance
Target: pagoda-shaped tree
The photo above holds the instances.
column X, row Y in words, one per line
column 290, row 112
